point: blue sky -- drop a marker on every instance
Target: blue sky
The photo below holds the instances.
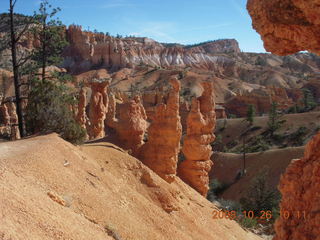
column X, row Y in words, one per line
column 181, row 21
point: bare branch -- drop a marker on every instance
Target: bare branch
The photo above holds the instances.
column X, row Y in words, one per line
column 25, row 28
column 14, row 3
column 22, row 61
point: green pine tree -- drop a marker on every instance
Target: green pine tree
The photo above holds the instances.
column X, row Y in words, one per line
column 250, row 114
column 51, row 36
column 308, row 100
column 50, row 100
column 273, row 123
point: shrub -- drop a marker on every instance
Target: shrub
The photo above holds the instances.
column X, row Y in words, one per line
column 258, row 145
column 49, row 109
column 248, row 223
column 216, row 188
column 273, row 123
column 232, row 116
column 217, row 144
column 297, row 137
column 255, row 128
column 232, row 144
column 259, row 196
column 224, row 125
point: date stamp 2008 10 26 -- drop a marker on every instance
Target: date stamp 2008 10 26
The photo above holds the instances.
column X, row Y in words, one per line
column 260, row 216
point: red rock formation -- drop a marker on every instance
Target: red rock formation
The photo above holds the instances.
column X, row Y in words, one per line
column 5, row 114
column 262, row 100
column 220, row 112
column 196, row 145
column 111, row 109
column 5, row 129
column 151, row 100
column 98, row 109
column 130, row 124
column 287, row 26
column 300, row 189
column 81, row 117
column 184, row 111
column 88, row 49
column 161, row 151
column 15, row 134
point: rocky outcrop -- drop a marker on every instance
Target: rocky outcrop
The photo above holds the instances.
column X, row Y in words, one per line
column 196, row 145
column 262, row 100
column 81, row 117
column 98, row 109
column 111, row 114
column 15, row 133
column 287, row 26
column 88, row 50
column 5, row 115
column 220, row 112
column 160, row 152
column 184, row 111
column 130, row 124
column 151, row 100
column 300, row 190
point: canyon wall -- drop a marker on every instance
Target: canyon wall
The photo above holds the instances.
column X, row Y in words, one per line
column 262, row 100
column 88, row 50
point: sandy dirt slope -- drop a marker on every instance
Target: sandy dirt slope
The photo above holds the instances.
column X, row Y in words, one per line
column 50, row 189
column 228, row 165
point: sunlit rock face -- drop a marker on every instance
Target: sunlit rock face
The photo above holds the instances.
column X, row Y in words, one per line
column 88, row 50
column 197, row 150
column 287, row 26
column 160, row 152
column 15, row 133
column 98, row 109
column 300, row 190
column 130, row 124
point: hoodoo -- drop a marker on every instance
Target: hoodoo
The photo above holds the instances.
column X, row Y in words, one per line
column 98, row 109
column 130, row 125
column 196, row 145
column 15, row 134
column 161, row 151
column 82, row 116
